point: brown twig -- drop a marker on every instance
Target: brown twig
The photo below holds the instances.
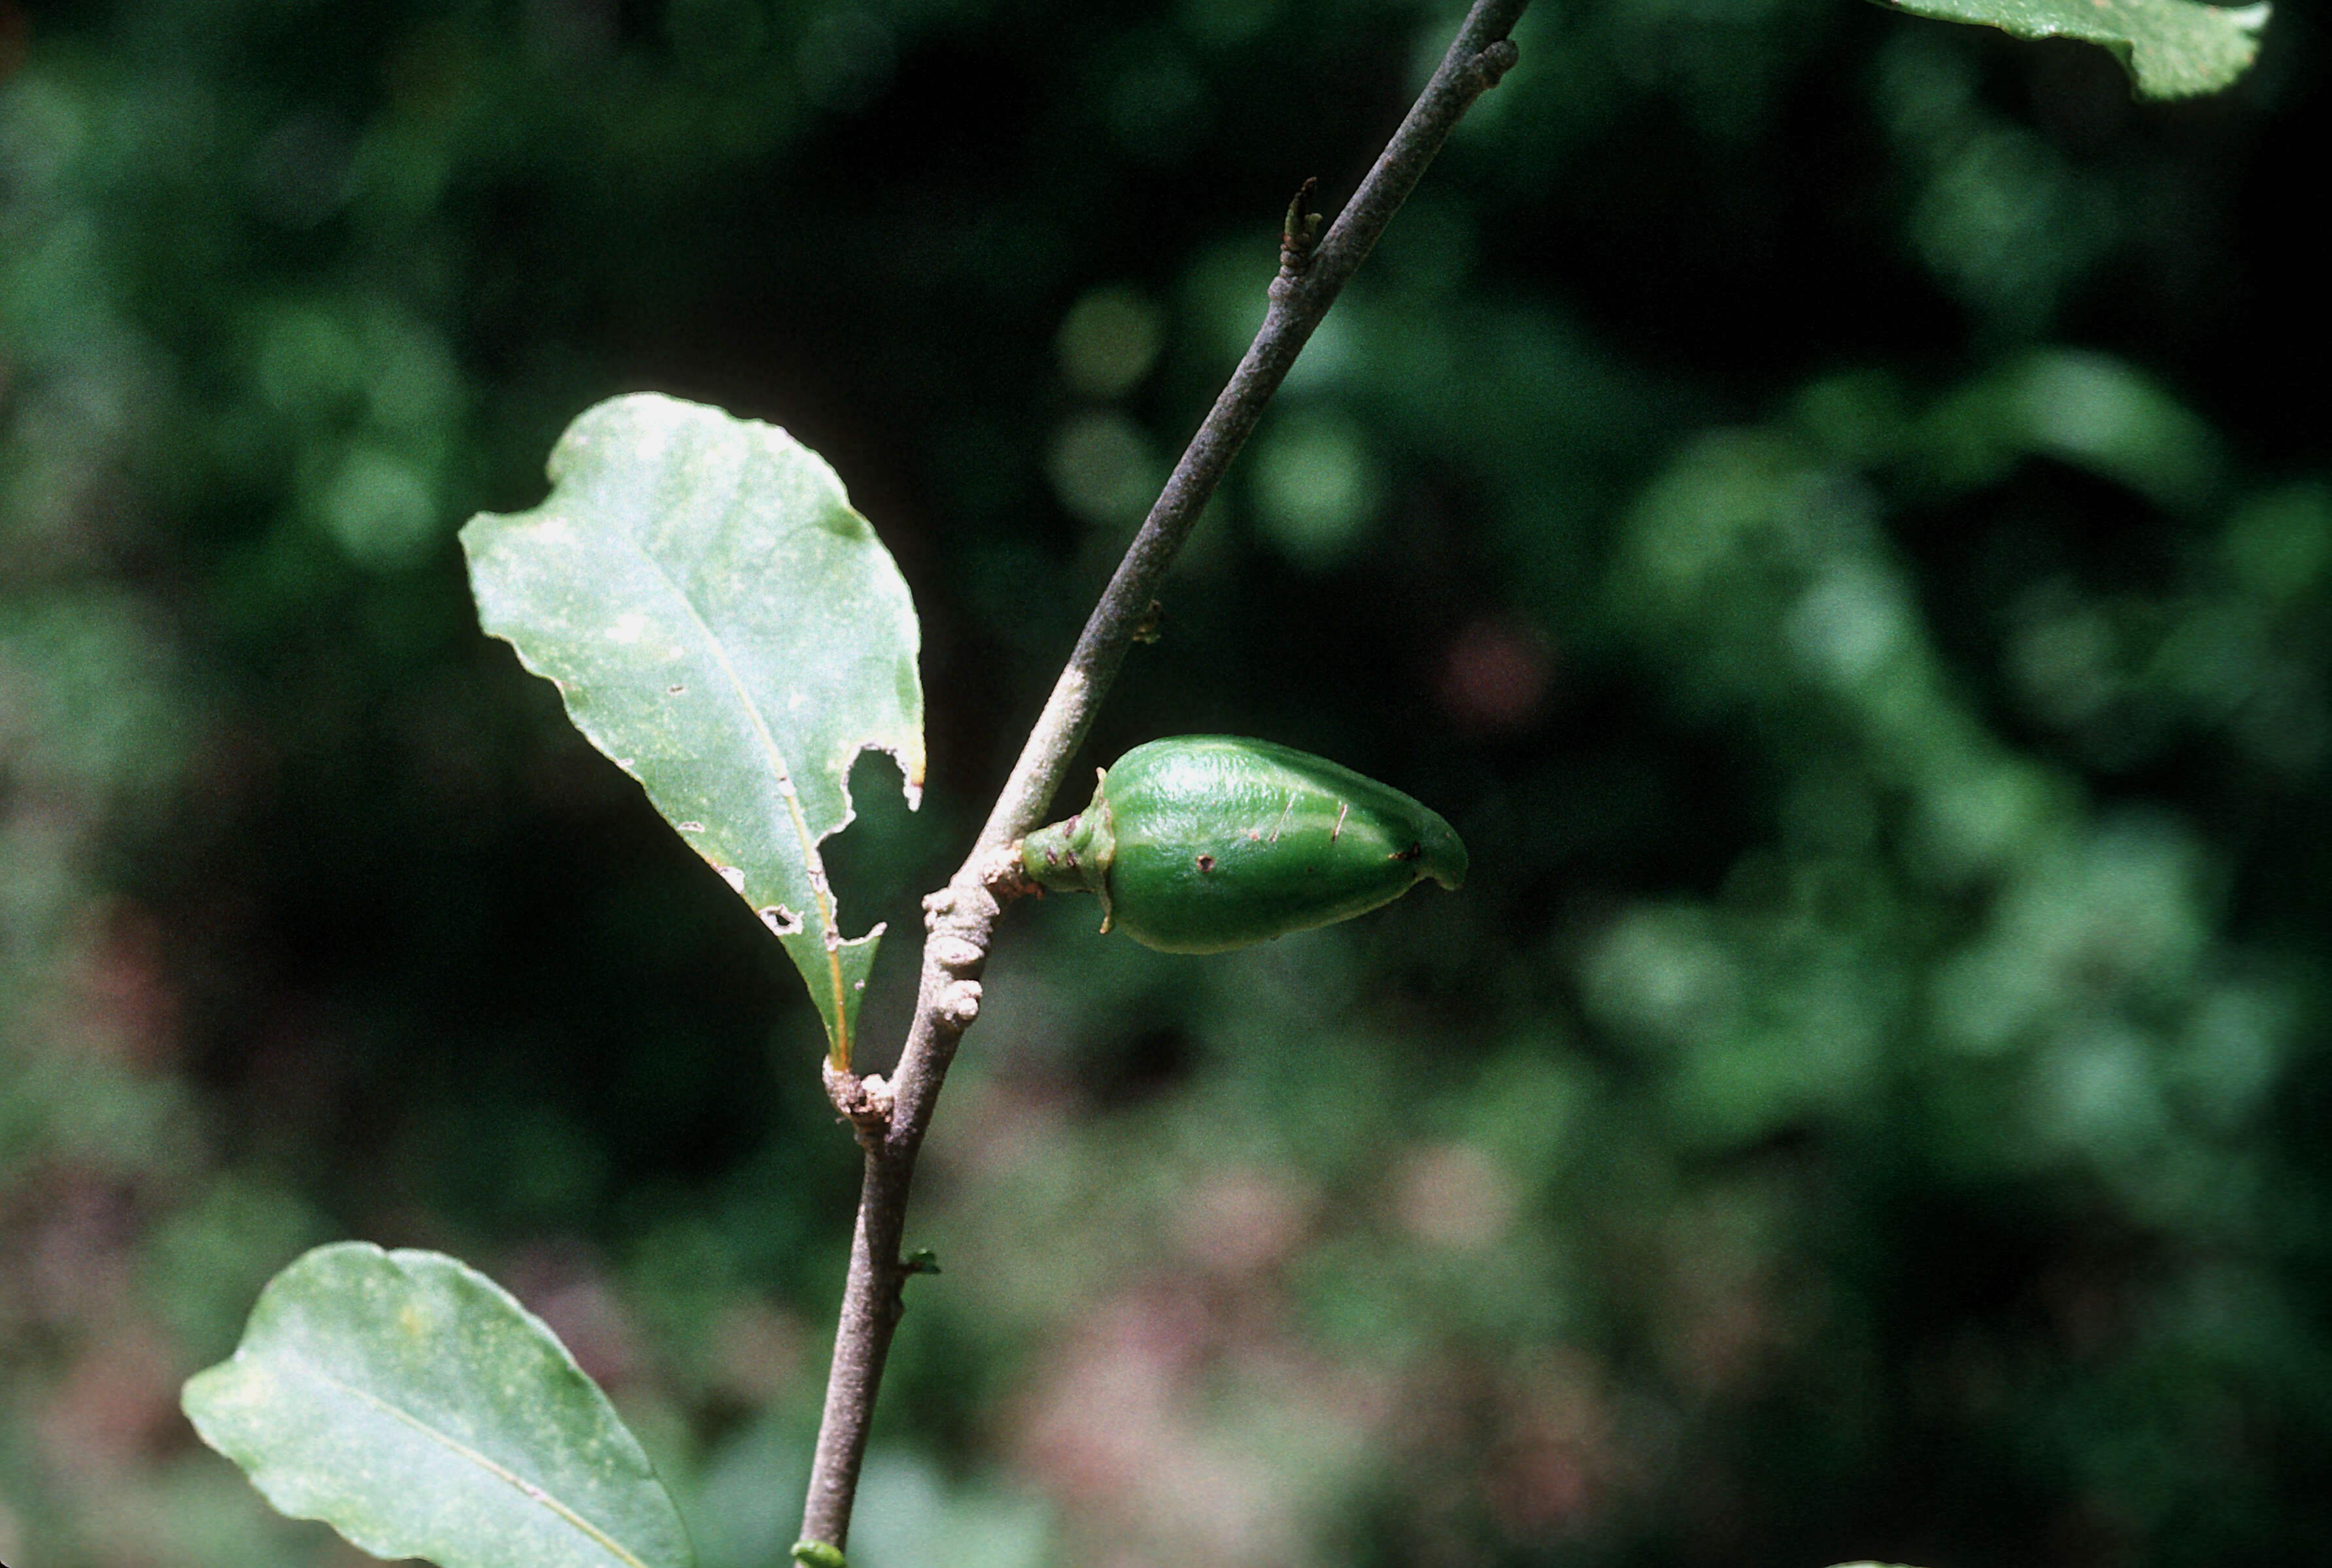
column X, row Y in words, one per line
column 961, row 917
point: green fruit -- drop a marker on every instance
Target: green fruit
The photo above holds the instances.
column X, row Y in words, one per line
column 1204, row 843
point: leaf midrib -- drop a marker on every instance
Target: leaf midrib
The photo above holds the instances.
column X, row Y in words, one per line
column 827, row 928
column 525, row 1489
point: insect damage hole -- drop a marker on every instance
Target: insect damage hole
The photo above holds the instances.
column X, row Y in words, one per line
column 1205, row 863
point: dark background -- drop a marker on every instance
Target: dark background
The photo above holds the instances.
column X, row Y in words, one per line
column 1833, row 506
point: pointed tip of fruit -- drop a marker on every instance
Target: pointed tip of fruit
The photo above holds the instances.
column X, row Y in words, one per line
column 1443, row 860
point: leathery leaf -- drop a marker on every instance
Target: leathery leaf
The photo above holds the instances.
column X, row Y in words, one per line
column 409, row 1402
column 730, row 633
column 2171, row 48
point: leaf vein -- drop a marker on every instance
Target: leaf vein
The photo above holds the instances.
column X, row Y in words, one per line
column 517, row 1483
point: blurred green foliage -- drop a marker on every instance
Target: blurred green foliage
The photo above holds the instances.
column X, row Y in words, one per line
column 1828, row 503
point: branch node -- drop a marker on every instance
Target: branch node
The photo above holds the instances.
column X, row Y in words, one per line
column 959, row 1004
column 1494, row 61
column 1300, row 233
column 1000, row 872
column 865, row 1103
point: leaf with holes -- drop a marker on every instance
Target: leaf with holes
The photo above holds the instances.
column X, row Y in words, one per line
column 732, row 635
column 409, row 1401
column 2171, row 48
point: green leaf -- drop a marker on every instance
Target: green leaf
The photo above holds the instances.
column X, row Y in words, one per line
column 732, row 635
column 409, row 1402
column 2171, row 48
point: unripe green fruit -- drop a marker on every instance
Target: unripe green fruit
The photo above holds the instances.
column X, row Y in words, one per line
column 1204, row 843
